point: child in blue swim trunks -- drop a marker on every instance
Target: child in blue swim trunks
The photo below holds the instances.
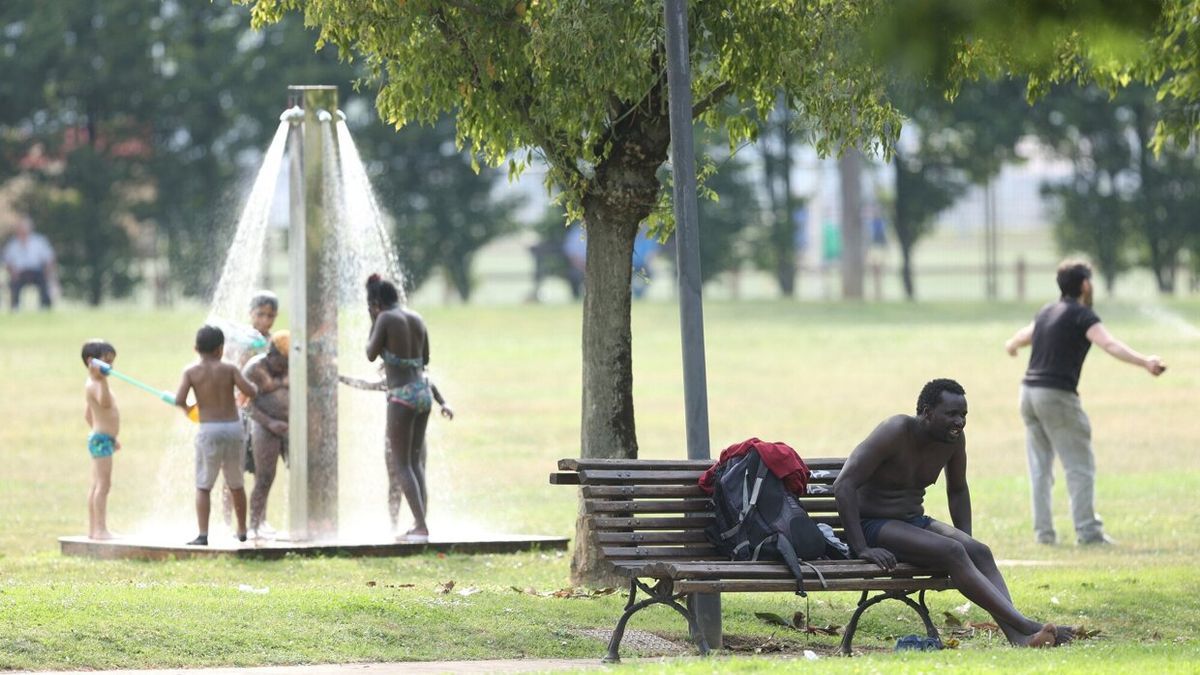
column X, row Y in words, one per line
column 104, row 418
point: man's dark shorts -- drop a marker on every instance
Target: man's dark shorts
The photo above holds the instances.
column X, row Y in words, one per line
column 872, row 526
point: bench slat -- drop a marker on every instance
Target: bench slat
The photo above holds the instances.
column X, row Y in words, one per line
column 648, row 506
column 696, row 552
column 652, row 537
column 814, row 506
column 576, row 464
column 652, row 491
column 696, row 521
column 844, row 569
column 660, row 491
column 637, row 476
column 775, row 585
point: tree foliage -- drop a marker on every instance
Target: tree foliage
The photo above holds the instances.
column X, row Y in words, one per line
column 144, row 119
column 75, row 117
column 1122, row 203
column 955, row 144
column 444, row 210
column 583, row 85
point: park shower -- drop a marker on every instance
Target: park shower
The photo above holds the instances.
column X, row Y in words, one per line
column 337, row 235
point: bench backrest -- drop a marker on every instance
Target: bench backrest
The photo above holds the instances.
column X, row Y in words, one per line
column 654, row 508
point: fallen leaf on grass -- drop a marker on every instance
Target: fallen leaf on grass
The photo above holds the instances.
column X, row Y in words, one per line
column 469, row 590
column 1082, row 633
column 952, row 643
column 768, row 647
column 985, row 625
column 372, row 584
column 568, row 592
column 773, row 619
column 797, row 623
column 446, row 587
column 963, row 608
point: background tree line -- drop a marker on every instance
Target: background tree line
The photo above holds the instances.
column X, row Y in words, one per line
column 134, row 124
column 138, row 122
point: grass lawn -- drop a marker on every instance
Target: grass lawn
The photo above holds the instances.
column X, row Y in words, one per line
column 817, row 376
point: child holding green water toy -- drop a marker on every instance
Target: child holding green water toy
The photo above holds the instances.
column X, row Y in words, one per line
column 219, row 444
column 100, row 412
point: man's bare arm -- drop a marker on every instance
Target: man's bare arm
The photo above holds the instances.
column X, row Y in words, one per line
column 1105, row 340
column 958, row 495
column 859, row 468
column 1022, row 338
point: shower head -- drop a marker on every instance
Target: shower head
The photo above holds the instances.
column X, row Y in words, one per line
column 294, row 114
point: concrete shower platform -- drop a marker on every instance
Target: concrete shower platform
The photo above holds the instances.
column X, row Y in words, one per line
column 145, row 548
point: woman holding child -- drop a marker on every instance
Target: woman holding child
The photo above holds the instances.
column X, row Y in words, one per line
column 399, row 337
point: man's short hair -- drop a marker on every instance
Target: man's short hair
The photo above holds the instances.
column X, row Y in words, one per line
column 96, row 349
column 264, row 298
column 931, row 393
column 209, row 339
column 1071, row 274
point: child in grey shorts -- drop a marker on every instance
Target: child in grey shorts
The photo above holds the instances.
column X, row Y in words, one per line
column 219, row 443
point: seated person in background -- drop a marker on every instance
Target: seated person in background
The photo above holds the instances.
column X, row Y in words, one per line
column 880, row 497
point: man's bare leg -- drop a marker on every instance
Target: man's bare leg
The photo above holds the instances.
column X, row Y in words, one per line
column 985, row 562
column 933, row 549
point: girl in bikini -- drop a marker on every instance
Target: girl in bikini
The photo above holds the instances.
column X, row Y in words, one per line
column 399, row 338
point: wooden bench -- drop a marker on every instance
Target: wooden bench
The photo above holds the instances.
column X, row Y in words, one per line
column 648, row 519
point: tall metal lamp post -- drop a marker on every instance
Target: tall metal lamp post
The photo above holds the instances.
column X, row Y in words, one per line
column 707, row 606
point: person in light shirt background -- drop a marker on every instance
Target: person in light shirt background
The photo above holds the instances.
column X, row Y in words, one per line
column 29, row 259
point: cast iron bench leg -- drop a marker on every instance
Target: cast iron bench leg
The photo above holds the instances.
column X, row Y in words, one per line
column 661, row 593
column 863, row 603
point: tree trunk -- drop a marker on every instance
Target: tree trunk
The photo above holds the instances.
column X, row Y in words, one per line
column 903, row 231
column 776, row 172
column 906, row 275
column 608, row 422
column 623, row 192
column 608, row 428
column 853, row 250
column 459, row 271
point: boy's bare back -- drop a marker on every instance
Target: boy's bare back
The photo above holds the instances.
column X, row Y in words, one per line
column 213, row 381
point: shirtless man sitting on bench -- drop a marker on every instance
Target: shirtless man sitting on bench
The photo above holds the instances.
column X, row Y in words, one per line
column 880, row 496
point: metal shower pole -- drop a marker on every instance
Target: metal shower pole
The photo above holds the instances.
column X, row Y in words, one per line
column 312, row 372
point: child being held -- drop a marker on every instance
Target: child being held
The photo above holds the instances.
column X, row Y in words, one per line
column 100, row 412
column 219, row 443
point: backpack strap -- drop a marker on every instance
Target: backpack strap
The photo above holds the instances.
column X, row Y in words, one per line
column 793, row 562
column 749, row 500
